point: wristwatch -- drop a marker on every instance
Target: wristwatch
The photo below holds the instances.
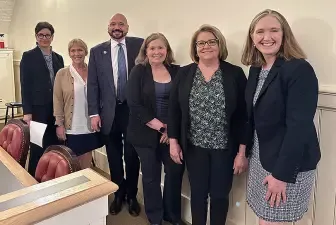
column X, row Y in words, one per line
column 162, row 130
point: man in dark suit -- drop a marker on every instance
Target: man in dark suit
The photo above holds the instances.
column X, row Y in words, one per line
column 38, row 68
column 109, row 66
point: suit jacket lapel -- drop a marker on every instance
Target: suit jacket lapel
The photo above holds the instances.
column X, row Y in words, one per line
column 170, row 71
column 107, row 62
column 251, row 87
column 130, row 55
column 40, row 57
column 229, row 92
column 56, row 63
column 187, row 88
column 149, row 83
column 271, row 75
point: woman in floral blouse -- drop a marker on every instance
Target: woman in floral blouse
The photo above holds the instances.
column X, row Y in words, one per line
column 207, row 118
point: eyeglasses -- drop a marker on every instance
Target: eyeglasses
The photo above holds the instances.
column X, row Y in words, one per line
column 211, row 42
column 46, row 36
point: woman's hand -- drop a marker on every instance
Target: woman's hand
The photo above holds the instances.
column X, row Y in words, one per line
column 60, row 132
column 175, row 152
column 276, row 190
column 240, row 164
column 27, row 118
column 156, row 124
column 95, row 123
column 164, row 138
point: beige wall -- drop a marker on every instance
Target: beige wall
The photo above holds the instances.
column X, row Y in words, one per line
column 4, row 27
column 313, row 22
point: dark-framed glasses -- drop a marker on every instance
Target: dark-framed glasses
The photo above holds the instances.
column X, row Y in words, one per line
column 211, row 42
column 45, row 36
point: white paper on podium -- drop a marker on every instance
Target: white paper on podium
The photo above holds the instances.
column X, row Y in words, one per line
column 37, row 131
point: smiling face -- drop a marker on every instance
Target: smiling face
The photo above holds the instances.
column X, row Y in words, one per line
column 118, row 27
column 44, row 38
column 156, row 51
column 267, row 36
column 207, row 46
column 77, row 54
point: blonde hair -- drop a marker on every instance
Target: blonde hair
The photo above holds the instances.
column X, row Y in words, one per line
column 223, row 52
column 78, row 42
column 142, row 56
column 289, row 49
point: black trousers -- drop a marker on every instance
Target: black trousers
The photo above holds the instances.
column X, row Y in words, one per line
column 210, row 172
column 116, row 149
column 42, row 114
column 157, row 207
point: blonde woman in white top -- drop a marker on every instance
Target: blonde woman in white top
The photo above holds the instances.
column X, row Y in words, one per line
column 70, row 105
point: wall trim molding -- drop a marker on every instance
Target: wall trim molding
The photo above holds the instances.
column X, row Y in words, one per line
column 327, row 89
column 327, row 98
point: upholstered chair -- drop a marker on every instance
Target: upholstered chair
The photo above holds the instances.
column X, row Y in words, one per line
column 56, row 161
column 15, row 138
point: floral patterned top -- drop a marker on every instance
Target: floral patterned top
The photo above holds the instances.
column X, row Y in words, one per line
column 207, row 112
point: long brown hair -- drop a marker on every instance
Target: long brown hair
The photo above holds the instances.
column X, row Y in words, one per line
column 289, row 49
column 142, row 56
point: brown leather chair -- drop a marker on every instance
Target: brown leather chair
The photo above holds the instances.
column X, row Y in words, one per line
column 15, row 138
column 56, row 161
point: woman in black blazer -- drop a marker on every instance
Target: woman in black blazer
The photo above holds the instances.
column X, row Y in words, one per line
column 148, row 95
column 38, row 69
column 281, row 98
column 207, row 116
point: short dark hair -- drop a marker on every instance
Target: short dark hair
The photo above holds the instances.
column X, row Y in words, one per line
column 42, row 25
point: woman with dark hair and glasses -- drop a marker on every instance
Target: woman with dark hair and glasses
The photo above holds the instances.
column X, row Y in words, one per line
column 207, row 119
column 37, row 73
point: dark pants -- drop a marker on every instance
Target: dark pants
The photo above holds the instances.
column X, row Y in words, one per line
column 116, row 149
column 42, row 114
column 156, row 207
column 210, row 172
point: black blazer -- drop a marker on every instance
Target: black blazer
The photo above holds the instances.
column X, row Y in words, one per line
column 234, row 81
column 142, row 104
column 283, row 118
column 36, row 86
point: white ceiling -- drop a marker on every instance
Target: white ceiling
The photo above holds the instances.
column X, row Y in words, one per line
column 6, row 10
